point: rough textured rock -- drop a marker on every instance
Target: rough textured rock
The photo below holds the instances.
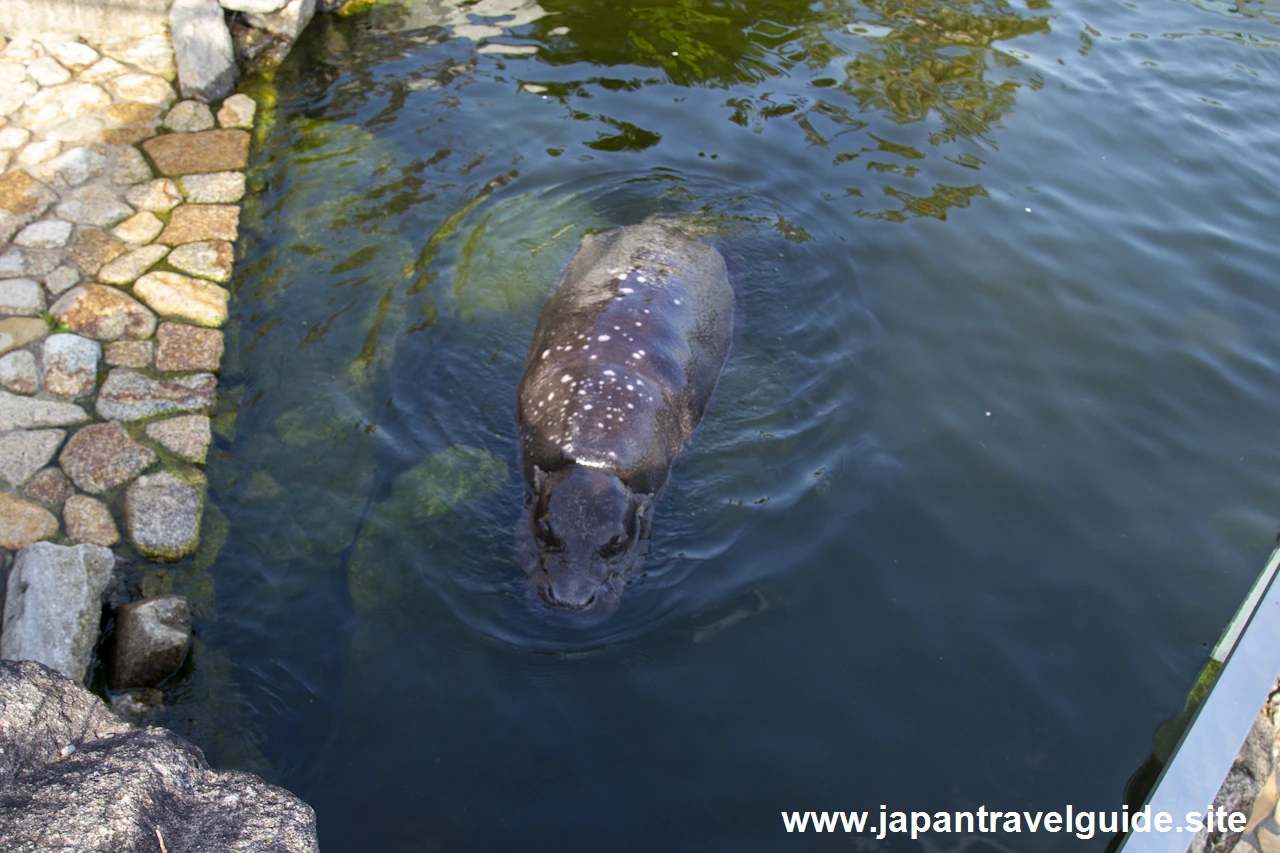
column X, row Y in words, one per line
column 202, row 45
column 29, row 263
column 49, row 487
column 100, row 457
column 193, row 223
column 162, row 514
column 186, row 435
column 237, row 111
column 126, row 268
column 196, row 153
column 128, row 354
column 73, row 54
column 152, row 53
column 24, row 452
column 141, row 707
column 160, row 194
column 51, row 615
column 72, row 168
column 123, row 788
column 19, row 331
column 214, row 188
column 130, row 396
column 174, row 295
column 49, row 234
column 142, row 89
column 21, row 524
column 207, row 259
column 289, row 22
column 13, row 138
column 129, row 167
column 63, row 103
column 93, row 204
column 104, row 313
column 21, row 296
column 183, row 347
column 135, row 115
column 88, row 520
column 1237, row 794
column 91, row 249
column 25, row 413
column 260, row 7
column 18, row 373
column 70, row 365
column 23, row 200
column 151, row 641
column 62, row 279
column 102, row 70
column 189, row 117
column 140, row 228
column 47, row 71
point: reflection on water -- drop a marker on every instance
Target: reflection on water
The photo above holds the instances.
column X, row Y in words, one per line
column 995, row 436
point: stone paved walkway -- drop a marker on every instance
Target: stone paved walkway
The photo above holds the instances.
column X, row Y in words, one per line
column 119, row 207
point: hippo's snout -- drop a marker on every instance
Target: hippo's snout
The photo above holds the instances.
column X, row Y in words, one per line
column 580, row 592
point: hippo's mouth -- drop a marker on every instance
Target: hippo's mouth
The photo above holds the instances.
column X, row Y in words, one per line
column 596, row 604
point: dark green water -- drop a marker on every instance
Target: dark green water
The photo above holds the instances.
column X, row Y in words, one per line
column 992, row 463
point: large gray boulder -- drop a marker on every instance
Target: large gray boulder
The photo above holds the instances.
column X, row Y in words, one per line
column 53, row 606
column 202, row 47
column 74, row 777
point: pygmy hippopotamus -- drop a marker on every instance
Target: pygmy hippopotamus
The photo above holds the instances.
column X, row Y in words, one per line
column 623, row 362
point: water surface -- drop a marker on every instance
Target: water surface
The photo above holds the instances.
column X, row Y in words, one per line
column 989, row 469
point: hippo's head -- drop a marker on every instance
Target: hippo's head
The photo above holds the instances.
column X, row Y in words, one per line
column 587, row 526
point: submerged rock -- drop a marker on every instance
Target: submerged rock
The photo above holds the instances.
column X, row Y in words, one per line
column 76, row 772
column 151, row 641
column 53, row 609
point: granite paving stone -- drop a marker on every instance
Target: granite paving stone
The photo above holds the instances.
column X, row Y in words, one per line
column 142, row 227
column 102, row 70
column 104, row 313
column 189, row 117
column 130, row 396
column 128, row 353
column 188, row 436
column 28, row 413
column 211, row 259
column 72, row 167
column 39, row 152
column 237, row 111
column 162, row 514
column 73, row 54
column 62, row 279
column 143, row 89
column 196, row 153
column 191, row 223
column 93, row 204
column 183, row 347
column 61, row 103
column 19, row 331
column 88, row 520
column 18, row 372
column 23, row 200
column 47, row 234
column 70, row 365
column 24, row 523
column 129, row 167
column 91, row 248
column 160, row 194
column 214, row 188
column 21, row 296
column 24, row 452
column 126, row 268
column 171, row 294
column 100, row 457
column 48, row 486
column 47, row 71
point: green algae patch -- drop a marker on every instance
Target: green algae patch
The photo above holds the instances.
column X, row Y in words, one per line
column 381, row 562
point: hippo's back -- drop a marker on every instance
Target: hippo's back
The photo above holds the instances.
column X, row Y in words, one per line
column 626, row 354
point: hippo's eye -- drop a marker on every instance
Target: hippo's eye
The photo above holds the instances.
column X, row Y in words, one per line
column 614, row 546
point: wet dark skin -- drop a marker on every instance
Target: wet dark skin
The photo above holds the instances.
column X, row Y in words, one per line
column 620, row 370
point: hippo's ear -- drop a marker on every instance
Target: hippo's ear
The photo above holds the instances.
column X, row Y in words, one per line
column 539, row 477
